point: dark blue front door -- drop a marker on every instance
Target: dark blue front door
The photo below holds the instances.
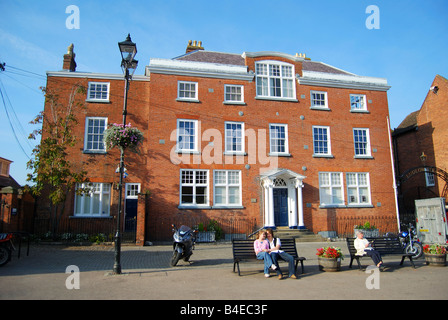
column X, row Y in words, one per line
column 130, row 221
column 281, row 207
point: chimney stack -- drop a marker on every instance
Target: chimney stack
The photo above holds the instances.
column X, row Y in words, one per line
column 69, row 60
column 194, row 45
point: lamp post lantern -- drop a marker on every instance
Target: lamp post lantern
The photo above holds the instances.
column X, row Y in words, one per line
column 128, row 50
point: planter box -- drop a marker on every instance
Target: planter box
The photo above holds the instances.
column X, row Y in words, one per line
column 435, row 260
column 374, row 233
column 329, row 264
column 206, row 236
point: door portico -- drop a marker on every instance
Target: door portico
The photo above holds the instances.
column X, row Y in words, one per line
column 274, row 201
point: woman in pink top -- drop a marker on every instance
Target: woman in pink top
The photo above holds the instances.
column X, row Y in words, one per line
column 261, row 247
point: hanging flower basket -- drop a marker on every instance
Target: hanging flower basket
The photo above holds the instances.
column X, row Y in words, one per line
column 123, row 137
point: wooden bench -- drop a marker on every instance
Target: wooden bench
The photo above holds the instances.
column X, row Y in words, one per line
column 385, row 246
column 244, row 250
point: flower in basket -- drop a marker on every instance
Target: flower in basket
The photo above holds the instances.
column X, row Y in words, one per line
column 434, row 249
column 123, row 137
column 330, row 252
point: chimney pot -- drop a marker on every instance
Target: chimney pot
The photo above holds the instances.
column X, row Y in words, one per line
column 69, row 63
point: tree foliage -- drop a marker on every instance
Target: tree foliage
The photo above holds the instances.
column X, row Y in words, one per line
column 52, row 169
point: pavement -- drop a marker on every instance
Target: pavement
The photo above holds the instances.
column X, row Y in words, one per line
column 147, row 274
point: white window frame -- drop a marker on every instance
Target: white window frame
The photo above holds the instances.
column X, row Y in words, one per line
column 182, row 133
column 87, row 134
column 194, row 184
column 98, row 93
column 104, row 194
column 358, row 106
column 226, row 137
column 267, row 71
column 230, row 94
column 430, row 179
column 132, row 190
column 227, row 185
column 316, row 151
column 271, row 137
column 192, row 94
column 367, row 153
column 319, row 106
column 355, row 196
column 328, row 188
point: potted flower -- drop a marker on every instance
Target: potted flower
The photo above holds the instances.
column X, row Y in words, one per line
column 435, row 255
column 329, row 258
column 123, row 137
column 369, row 231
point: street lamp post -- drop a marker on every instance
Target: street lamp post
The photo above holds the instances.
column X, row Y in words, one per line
column 128, row 49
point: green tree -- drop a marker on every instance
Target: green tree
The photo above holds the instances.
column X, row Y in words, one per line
column 52, row 170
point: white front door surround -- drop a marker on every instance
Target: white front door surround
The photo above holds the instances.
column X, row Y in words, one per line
column 281, row 178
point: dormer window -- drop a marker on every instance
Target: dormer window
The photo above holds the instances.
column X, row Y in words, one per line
column 275, row 79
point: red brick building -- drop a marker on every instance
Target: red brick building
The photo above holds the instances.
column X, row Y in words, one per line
column 420, row 149
column 267, row 138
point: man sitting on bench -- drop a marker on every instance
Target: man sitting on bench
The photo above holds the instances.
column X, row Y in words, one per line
column 275, row 246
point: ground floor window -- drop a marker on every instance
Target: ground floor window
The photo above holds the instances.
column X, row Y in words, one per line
column 94, row 201
column 194, row 188
column 358, row 188
column 227, row 188
column 331, row 188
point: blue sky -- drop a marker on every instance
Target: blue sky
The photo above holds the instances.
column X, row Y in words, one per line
column 409, row 48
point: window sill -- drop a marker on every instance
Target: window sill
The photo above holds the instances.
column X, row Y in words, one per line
column 364, row 157
column 94, row 152
column 91, row 217
column 239, row 103
column 343, row 206
column 277, row 154
column 276, row 99
column 98, row 101
column 329, row 156
column 187, row 152
column 359, row 111
column 193, row 207
column 320, row 108
column 234, row 153
column 187, row 100
column 228, row 207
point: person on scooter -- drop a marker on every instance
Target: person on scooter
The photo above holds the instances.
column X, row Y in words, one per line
column 363, row 246
column 276, row 253
column 261, row 247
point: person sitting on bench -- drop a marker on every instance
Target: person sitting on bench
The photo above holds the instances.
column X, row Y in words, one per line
column 275, row 245
column 363, row 246
column 261, row 247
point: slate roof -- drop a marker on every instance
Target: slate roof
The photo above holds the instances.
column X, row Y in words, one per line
column 238, row 60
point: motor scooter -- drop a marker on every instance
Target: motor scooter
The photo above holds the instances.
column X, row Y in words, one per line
column 183, row 245
column 6, row 246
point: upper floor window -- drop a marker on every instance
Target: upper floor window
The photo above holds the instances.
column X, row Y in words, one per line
column 98, row 91
column 358, row 102
column 234, row 137
column 362, row 142
column 233, row 93
column 187, row 90
column 275, row 79
column 94, row 133
column 319, row 100
column 187, row 135
column 278, row 138
column 321, row 141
